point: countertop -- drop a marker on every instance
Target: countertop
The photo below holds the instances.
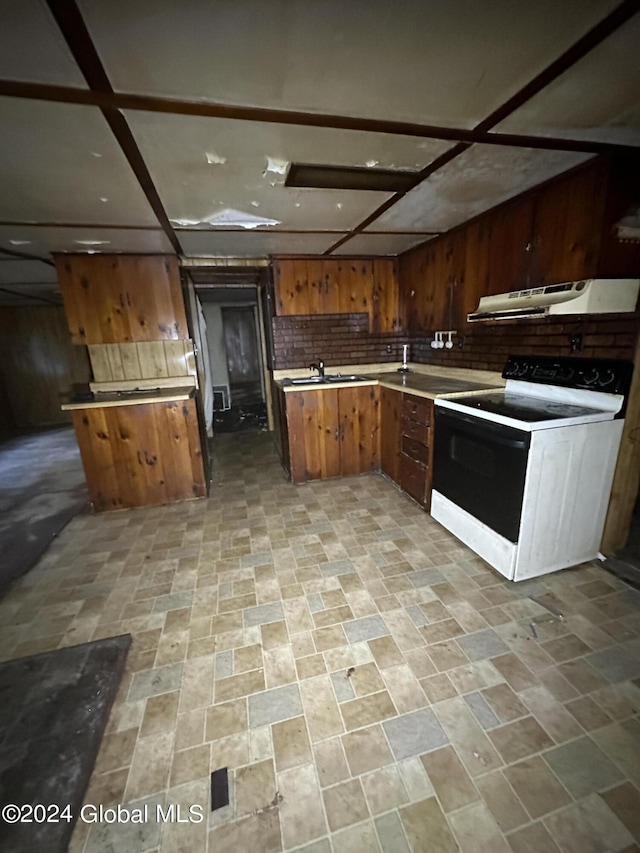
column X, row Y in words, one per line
column 419, row 381
column 427, row 385
column 130, row 398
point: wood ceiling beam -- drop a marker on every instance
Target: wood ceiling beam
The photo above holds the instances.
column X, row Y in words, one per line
column 596, row 35
column 101, row 95
column 150, row 103
column 211, row 229
column 71, row 24
column 24, row 295
column 25, row 256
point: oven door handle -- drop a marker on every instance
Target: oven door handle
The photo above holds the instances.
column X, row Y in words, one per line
column 497, row 433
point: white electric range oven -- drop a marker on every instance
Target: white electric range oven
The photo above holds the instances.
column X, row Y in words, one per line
column 523, row 476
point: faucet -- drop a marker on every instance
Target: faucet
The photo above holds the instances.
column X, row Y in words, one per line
column 319, row 367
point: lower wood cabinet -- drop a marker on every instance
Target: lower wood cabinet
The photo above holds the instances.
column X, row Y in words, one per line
column 407, row 448
column 139, row 455
column 333, row 432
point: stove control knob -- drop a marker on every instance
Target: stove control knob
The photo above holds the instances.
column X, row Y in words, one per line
column 607, row 378
column 523, row 369
column 565, row 374
column 590, row 377
column 511, row 370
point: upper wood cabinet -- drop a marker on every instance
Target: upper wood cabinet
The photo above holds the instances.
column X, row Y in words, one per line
column 432, row 281
column 567, row 227
column 308, row 285
column 561, row 231
column 112, row 299
column 511, row 239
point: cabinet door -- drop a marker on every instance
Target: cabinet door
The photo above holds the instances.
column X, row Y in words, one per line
column 314, row 434
column 413, row 479
column 385, row 310
column 568, row 228
column 511, row 246
column 291, row 287
column 411, row 267
column 112, row 299
column 476, row 270
column 390, row 414
column 141, row 455
column 359, row 430
column 450, row 286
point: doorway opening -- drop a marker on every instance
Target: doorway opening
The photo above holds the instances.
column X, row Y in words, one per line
column 236, row 356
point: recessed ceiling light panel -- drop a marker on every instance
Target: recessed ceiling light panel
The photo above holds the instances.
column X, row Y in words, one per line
column 350, row 178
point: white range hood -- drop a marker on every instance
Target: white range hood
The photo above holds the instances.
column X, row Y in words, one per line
column 592, row 296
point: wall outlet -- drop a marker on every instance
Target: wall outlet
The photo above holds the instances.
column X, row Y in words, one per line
column 389, row 349
column 575, row 342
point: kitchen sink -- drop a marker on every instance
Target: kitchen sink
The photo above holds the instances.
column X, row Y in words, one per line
column 309, row 380
column 345, row 378
column 326, row 380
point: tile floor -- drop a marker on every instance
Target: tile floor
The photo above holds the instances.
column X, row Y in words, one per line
column 42, row 487
column 370, row 684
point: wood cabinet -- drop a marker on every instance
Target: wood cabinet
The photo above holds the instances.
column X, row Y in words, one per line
column 120, row 298
column 560, row 231
column 280, row 432
column 390, row 432
column 333, row 432
column 406, row 442
column 142, row 454
column 416, row 448
column 433, row 285
column 311, row 285
column 567, row 227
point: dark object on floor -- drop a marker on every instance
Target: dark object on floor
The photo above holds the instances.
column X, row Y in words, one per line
column 42, row 487
column 53, row 711
column 219, row 789
column 239, row 418
column 624, row 569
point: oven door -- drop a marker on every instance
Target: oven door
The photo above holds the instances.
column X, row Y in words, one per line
column 481, row 467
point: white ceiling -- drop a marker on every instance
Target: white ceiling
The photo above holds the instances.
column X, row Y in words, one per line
column 66, row 184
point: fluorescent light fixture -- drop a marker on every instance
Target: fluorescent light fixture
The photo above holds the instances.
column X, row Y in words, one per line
column 351, row 178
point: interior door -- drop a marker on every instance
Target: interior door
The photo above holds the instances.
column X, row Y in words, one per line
column 200, row 345
column 243, row 354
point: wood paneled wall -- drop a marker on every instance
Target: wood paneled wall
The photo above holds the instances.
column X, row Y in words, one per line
column 144, row 360
column 39, row 364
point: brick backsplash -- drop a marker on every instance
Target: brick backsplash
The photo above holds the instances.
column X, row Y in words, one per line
column 486, row 346
column 334, row 338
column 345, row 339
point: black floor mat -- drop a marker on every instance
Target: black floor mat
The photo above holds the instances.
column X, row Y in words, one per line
column 53, row 711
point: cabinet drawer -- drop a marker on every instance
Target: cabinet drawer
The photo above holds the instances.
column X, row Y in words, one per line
column 413, row 478
column 415, row 450
column 417, row 408
column 417, row 431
